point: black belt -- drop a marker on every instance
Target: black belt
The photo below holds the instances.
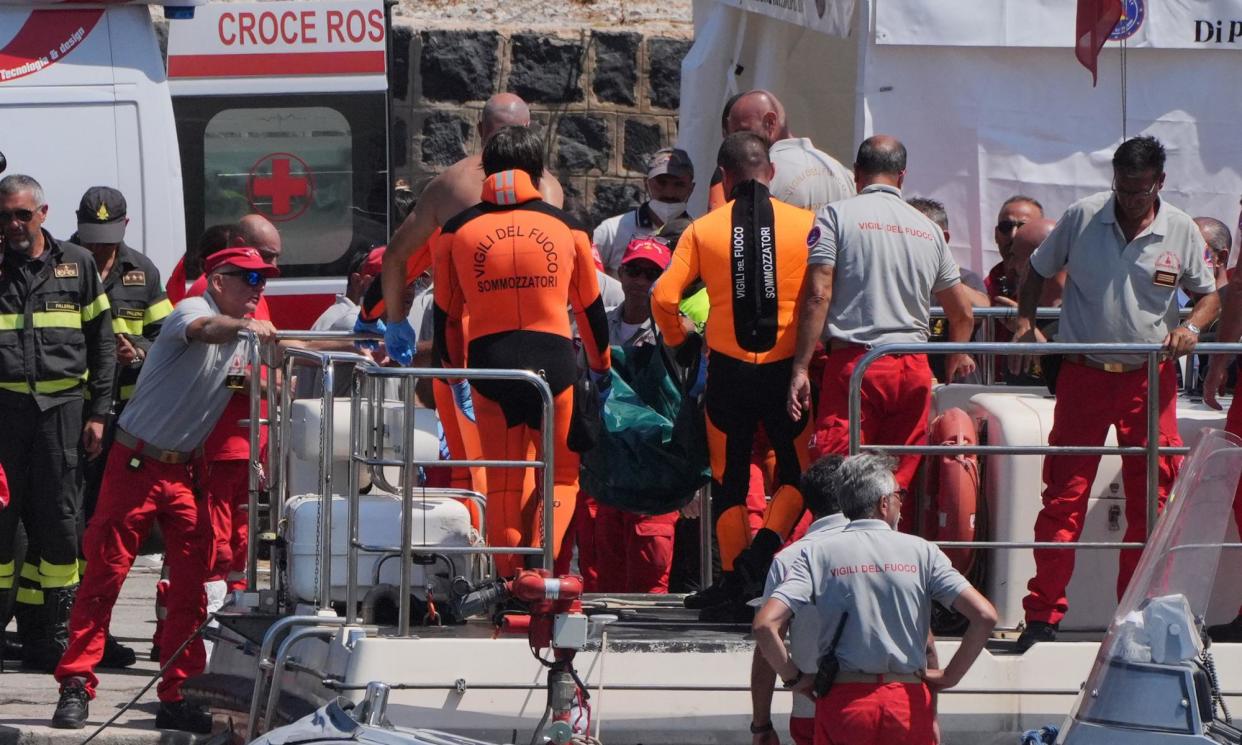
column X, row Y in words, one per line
column 171, row 457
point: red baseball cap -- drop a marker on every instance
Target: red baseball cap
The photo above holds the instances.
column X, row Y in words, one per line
column 652, row 249
column 373, row 264
column 243, row 257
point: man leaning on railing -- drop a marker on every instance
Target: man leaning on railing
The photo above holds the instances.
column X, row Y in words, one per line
column 1126, row 252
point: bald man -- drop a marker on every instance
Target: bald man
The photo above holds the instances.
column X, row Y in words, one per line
column 456, row 189
column 1219, row 241
column 805, row 177
column 262, row 235
column 1022, row 243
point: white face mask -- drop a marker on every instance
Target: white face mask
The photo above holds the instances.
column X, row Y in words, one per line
column 666, row 210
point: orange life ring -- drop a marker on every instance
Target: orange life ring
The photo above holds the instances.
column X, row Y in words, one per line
column 953, row 486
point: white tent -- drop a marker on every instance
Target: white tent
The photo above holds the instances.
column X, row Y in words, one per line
column 987, row 96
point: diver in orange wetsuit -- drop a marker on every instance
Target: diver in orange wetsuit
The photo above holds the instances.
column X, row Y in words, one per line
column 751, row 254
column 514, row 262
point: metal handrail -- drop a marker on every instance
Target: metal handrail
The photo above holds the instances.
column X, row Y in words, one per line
column 1153, row 450
column 366, row 382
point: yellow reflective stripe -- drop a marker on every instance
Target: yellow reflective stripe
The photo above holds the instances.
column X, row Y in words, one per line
column 12, row 321
column 15, row 387
column 30, row 572
column 157, row 312
column 99, row 305
column 57, row 575
column 6, row 575
column 56, row 319
column 81, row 567
column 45, row 386
column 29, row 596
column 127, row 392
column 126, row 326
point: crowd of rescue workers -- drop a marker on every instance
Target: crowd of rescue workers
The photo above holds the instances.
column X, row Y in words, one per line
column 121, row 395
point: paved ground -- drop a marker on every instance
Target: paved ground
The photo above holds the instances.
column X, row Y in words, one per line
column 27, row 700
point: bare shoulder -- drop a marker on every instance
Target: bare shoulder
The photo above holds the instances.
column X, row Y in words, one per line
column 551, row 189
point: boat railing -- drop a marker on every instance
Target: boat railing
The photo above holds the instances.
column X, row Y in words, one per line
column 1153, row 354
column 369, row 384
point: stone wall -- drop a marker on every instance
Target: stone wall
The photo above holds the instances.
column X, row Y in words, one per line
column 605, row 100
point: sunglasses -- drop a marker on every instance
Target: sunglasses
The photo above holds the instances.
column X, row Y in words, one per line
column 21, row 215
column 252, row 277
column 901, row 494
column 651, row 273
column 1136, row 194
column 1008, row 226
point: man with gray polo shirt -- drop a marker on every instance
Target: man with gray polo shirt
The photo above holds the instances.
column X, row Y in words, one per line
column 154, row 472
column 1126, row 253
column 818, row 489
column 875, row 263
column 670, row 182
column 872, row 589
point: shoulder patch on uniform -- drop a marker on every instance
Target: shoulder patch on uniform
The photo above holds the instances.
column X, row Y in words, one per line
column 131, row 314
column 136, row 278
column 812, row 237
column 66, row 270
column 53, row 305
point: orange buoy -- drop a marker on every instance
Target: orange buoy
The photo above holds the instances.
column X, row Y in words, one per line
column 953, row 486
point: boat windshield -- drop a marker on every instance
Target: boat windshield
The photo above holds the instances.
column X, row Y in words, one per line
column 1154, row 644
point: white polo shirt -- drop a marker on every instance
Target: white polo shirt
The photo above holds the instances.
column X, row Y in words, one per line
column 613, row 235
column 889, row 260
column 1117, row 291
column 886, row 581
column 806, row 177
column 804, row 629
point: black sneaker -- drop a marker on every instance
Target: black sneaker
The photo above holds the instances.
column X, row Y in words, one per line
column 1035, row 632
column 116, row 655
column 183, row 716
column 73, row 707
column 1227, row 633
column 154, row 656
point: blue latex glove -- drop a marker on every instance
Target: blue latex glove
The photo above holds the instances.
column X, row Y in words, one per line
column 602, row 382
column 461, row 394
column 400, row 340
column 368, row 327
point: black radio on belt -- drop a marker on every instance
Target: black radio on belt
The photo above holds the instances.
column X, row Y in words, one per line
column 829, row 665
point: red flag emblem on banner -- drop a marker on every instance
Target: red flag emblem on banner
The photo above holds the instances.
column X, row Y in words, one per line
column 1096, row 19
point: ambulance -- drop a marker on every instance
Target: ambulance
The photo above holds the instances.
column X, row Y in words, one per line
column 277, row 108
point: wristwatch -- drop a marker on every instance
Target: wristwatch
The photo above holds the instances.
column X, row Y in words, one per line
column 791, row 682
column 1191, row 328
column 757, row 729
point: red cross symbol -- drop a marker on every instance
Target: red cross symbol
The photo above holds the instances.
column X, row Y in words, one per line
column 281, row 187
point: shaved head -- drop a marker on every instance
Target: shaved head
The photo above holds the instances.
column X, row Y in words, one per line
column 502, row 110
column 1027, row 239
column 743, row 157
column 261, row 234
column 1215, row 232
column 758, row 112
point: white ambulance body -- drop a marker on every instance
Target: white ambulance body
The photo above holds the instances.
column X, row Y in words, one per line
column 278, row 108
column 84, row 101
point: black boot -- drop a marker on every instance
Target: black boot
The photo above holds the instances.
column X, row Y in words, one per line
column 182, row 715
column 1227, row 632
column 116, row 656
column 73, row 707
column 57, row 604
column 1034, row 633
column 752, row 564
column 32, row 634
column 725, row 588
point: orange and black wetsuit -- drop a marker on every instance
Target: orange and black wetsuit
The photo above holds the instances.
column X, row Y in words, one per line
column 460, row 432
column 515, row 262
column 751, row 254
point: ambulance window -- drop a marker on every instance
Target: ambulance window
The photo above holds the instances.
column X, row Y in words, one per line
column 293, row 164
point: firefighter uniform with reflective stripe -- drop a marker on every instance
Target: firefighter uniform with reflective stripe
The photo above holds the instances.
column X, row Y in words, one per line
column 139, row 307
column 751, row 255
column 56, row 345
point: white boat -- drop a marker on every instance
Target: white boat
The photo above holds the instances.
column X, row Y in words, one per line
column 654, row 674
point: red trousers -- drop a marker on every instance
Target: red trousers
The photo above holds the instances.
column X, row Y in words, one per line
column 875, row 714
column 634, row 552
column 129, row 500
column 802, row 729
column 228, row 499
column 896, row 400
column 582, row 534
column 1089, row 401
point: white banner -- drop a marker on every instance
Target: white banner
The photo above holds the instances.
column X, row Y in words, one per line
column 832, row 17
column 1161, row 24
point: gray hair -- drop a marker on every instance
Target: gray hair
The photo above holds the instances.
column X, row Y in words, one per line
column 1215, row 233
column 17, row 183
column 932, row 209
column 862, row 481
